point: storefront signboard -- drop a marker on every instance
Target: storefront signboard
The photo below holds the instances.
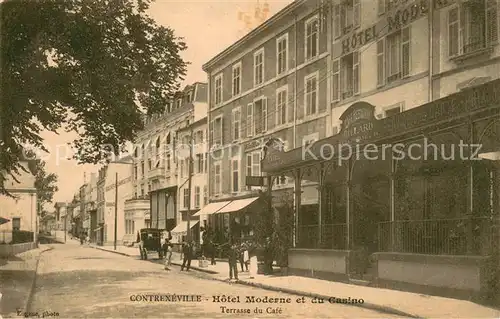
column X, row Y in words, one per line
column 254, row 181
column 455, row 105
column 359, row 127
column 393, row 20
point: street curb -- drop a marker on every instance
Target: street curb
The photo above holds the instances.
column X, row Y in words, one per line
column 29, row 298
column 110, row 251
column 375, row 307
column 197, row 268
column 173, row 263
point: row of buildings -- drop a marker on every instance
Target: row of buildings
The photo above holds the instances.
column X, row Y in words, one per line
column 342, row 72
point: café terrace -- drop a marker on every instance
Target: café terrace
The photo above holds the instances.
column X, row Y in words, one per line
column 427, row 225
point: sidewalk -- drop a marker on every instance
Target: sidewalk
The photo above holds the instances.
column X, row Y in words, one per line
column 17, row 278
column 385, row 300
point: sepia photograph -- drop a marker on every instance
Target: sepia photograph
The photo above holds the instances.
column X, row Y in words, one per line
column 250, row 159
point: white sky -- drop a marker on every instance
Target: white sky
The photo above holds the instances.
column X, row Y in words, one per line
column 208, row 27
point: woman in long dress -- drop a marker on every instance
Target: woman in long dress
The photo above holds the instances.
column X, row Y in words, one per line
column 252, row 253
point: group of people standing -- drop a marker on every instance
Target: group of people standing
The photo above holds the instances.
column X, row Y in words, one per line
column 242, row 252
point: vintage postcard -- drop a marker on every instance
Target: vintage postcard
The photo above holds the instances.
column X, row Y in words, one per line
column 250, row 159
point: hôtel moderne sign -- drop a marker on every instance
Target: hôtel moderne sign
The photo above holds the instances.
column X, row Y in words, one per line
column 393, row 21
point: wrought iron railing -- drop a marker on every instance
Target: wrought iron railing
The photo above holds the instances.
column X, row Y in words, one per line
column 463, row 236
column 474, row 44
column 333, row 236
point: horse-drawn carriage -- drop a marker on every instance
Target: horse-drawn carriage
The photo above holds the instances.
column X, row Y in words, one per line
column 151, row 241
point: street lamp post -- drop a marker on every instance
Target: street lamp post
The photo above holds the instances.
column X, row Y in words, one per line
column 116, row 208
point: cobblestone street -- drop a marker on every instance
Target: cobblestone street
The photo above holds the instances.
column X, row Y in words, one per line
column 75, row 281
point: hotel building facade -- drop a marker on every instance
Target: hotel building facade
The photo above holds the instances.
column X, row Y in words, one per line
column 359, row 73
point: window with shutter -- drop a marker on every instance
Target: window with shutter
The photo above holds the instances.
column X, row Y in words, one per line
column 472, row 26
column 398, row 55
column 264, row 114
column 355, row 73
column 453, row 32
column 211, row 132
column 236, row 123
column 405, row 52
column 235, row 181
column 236, row 81
column 249, row 167
column 380, row 62
column 311, row 93
column 312, row 38
column 281, row 105
column 218, row 90
column 337, row 22
column 491, row 21
column 249, row 119
column 350, row 72
column 336, row 80
column 256, row 157
column 356, row 12
column 260, row 115
column 258, row 67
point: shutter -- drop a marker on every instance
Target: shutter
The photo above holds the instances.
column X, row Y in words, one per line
column 336, row 20
column 250, row 119
column 211, row 133
column 264, row 114
column 233, row 131
column 249, row 164
column 453, row 32
column 381, row 6
column 405, row 52
column 355, row 72
column 462, row 30
column 336, row 80
column 356, row 11
column 380, row 62
column 491, row 22
column 221, row 126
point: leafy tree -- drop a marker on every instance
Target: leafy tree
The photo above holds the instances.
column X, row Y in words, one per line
column 45, row 184
column 89, row 66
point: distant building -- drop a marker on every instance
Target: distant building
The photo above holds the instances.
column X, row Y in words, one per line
column 156, row 166
column 21, row 211
column 119, row 172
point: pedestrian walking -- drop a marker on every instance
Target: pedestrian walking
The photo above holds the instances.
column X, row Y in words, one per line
column 187, row 251
column 241, row 255
column 167, row 249
column 233, row 259
column 268, row 257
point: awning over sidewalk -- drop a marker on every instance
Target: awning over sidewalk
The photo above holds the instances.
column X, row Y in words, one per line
column 182, row 227
column 212, row 208
column 4, row 220
column 237, row 205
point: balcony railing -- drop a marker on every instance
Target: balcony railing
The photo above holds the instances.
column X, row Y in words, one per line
column 157, row 172
column 333, row 236
column 474, row 44
column 464, row 236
